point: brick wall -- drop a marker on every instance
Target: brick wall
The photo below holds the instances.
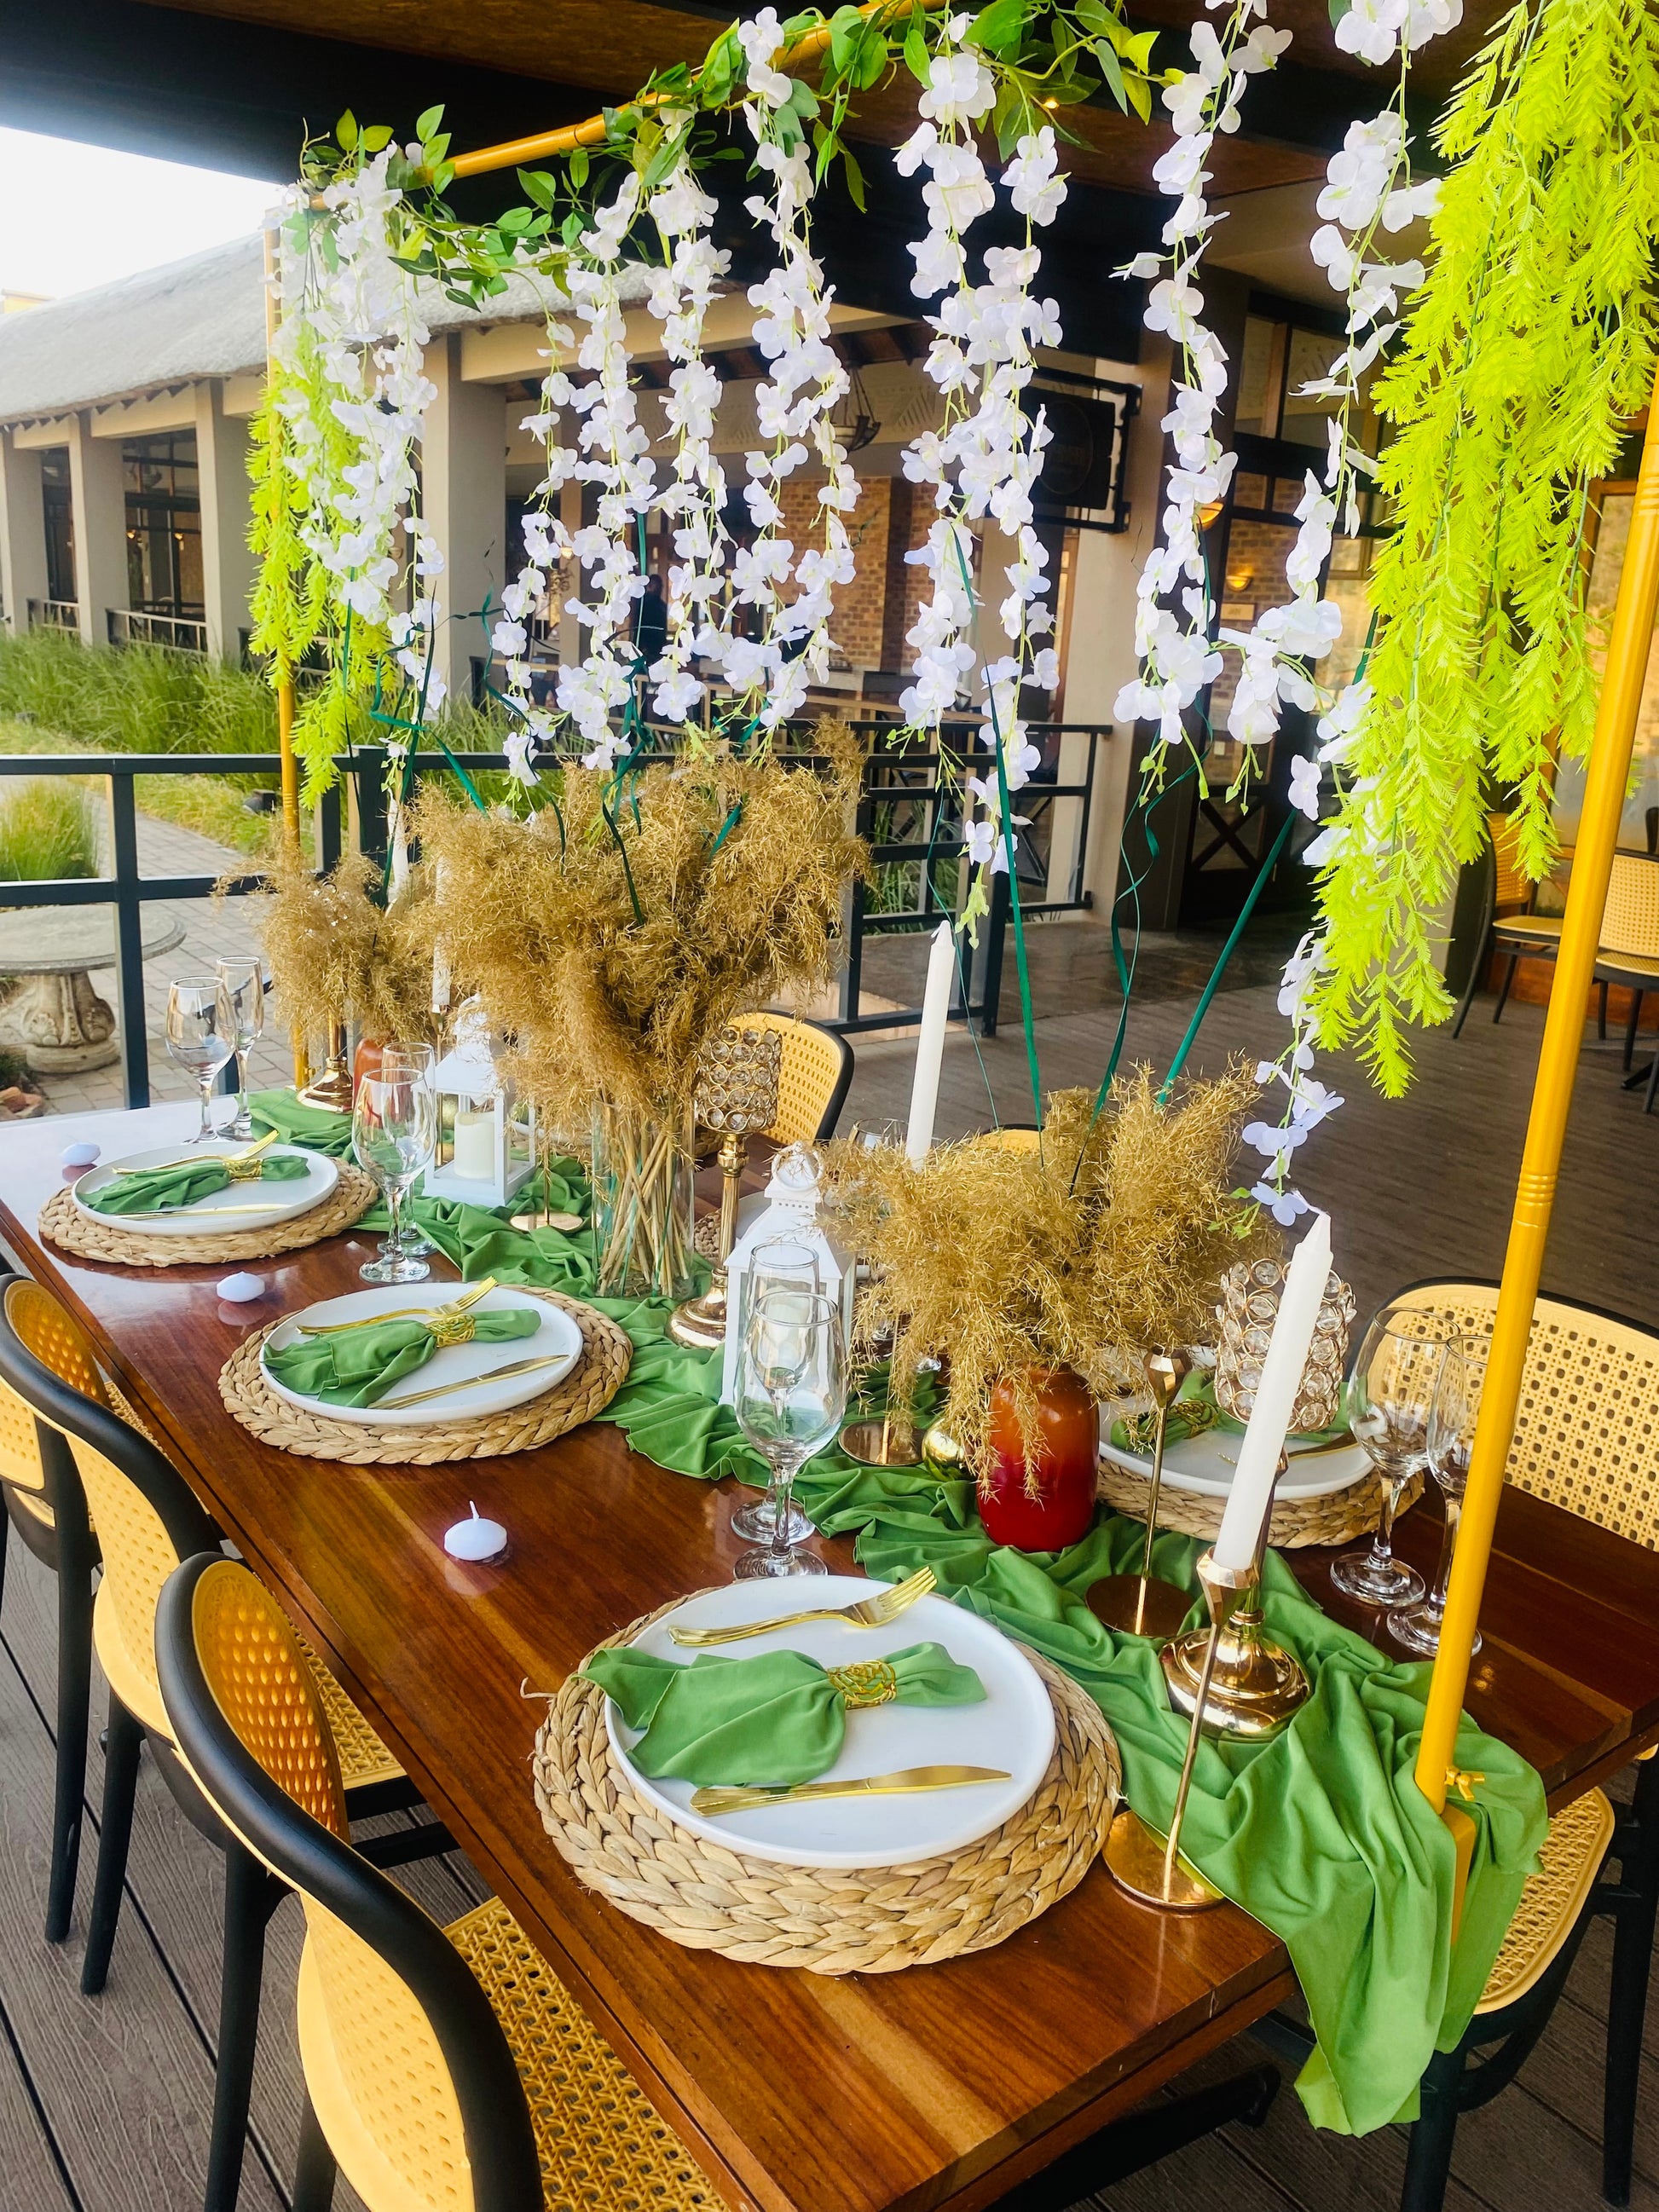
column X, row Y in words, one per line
column 857, row 627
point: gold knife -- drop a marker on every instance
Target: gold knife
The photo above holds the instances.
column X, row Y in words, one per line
column 223, row 1159
column 907, row 1781
column 471, row 1382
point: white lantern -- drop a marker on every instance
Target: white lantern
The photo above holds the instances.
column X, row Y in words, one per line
column 486, row 1150
column 791, row 1210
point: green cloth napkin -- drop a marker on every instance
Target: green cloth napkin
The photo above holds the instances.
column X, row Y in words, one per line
column 153, row 1190
column 1321, row 1834
column 772, row 1719
column 358, row 1367
column 319, row 1128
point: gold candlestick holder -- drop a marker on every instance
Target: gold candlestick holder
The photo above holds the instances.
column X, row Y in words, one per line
column 1143, row 1604
column 1231, row 1678
column 332, row 1088
column 736, row 1095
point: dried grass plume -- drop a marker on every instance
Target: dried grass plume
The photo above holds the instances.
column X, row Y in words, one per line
column 336, row 955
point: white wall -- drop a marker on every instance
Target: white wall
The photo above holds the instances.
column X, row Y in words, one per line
column 227, row 568
column 464, row 498
column 98, row 501
column 23, row 532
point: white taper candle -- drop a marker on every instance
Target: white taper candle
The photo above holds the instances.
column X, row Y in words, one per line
column 1281, row 1376
column 930, row 1045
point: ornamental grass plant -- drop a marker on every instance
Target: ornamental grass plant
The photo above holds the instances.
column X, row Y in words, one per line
column 48, row 831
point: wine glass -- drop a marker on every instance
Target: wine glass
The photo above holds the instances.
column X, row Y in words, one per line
column 779, row 1263
column 245, row 987
column 200, row 1031
column 790, row 1395
column 1451, row 1440
column 1390, row 1396
column 394, row 1134
column 421, row 1061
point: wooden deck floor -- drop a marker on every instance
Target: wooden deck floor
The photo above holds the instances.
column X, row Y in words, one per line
column 104, row 2103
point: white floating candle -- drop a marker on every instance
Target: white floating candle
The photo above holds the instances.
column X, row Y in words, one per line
column 475, row 1538
column 241, row 1290
column 1270, row 1418
column 929, row 1046
column 474, row 1144
column 82, row 1155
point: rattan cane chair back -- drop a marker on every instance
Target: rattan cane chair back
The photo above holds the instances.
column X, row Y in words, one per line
column 1016, row 1137
column 1587, row 1430
column 1512, row 885
column 815, row 1069
column 57, row 1341
column 1630, row 920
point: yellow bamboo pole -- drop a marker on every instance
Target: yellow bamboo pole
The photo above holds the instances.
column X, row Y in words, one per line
column 284, row 689
column 548, row 145
column 1605, row 783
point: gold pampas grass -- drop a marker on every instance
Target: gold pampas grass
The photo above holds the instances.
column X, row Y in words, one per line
column 621, row 929
column 335, row 955
column 1109, row 1243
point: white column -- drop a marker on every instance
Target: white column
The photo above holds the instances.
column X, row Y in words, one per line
column 98, row 505
column 227, row 568
column 22, row 534
column 1101, row 658
column 464, row 498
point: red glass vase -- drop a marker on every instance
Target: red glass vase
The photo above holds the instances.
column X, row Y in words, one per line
column 1067, row 1451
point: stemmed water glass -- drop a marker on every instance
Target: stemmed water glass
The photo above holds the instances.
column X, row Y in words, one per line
column 200, row 1031
column 419, row 1060
column 1391, row 1395
column 1451, row 1441
column 394, row 1134
column 245, row 987
column 781, row 1263
column 790, row 1395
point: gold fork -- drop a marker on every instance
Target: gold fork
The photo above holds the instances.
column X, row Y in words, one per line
column 225, row 1159
column 402, row 1313
column 869, row 1613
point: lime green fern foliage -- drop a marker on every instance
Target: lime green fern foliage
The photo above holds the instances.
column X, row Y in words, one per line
column 1530, row 346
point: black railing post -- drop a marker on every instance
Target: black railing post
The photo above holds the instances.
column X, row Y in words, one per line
column 1081, row 862
column 368, row 766
column 996, row 927
column 329, row 833
column 852, row 975
column 129, row 940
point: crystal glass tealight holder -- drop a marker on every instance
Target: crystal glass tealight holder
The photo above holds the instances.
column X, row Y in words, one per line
column 1250, row 1292
column 736, row 1095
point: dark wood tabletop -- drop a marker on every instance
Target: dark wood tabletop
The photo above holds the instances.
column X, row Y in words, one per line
column 798, row 2092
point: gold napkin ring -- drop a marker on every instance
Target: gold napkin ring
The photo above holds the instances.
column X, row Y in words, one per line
column 866, row 1682
column 244, row 1170
column 449, row 1328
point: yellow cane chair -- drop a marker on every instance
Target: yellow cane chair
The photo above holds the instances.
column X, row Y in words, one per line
column 1583, row 1441
column 148, row 1519
column 1012, row 1136
column 447, row 2070
column 1520, row 933
column 45, row 1506
column 813, row 1076
column 1629, row 949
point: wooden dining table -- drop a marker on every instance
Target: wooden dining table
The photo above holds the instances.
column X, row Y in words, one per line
column 945, row 2084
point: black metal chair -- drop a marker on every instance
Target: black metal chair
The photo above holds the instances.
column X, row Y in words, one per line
column 149, row 1519
column 1521, row 935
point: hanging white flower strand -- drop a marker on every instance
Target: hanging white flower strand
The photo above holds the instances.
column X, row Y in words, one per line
column 986, row 459
column 792, row 409
column 693, row 499
column 547, row 545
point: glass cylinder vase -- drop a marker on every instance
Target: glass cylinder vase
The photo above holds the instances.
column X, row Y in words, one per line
column 643, row 1169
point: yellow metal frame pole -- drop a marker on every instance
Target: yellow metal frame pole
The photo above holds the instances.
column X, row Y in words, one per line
column 284, row 689
column 1605, row 783
column 548, row 145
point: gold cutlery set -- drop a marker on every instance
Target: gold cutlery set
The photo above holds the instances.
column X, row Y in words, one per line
column 451, row 1312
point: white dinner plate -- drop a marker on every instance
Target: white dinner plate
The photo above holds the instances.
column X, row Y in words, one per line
column 558, row 1338
column 1013, row 1729
column 275, row 1201
column 1207, row 1462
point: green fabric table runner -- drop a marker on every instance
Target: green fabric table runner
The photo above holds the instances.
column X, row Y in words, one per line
column 1321, row 1833
column 774, row 1718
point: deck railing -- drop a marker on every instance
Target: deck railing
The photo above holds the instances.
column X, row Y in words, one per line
column 54, row 614
column 178, row 632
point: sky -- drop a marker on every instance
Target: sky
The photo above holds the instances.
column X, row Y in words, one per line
column 72, row 216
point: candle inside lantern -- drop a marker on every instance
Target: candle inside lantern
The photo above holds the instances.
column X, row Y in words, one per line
column 1270, row 1418
column 475, row 1144
column 475, row 1538
column 929, row 1046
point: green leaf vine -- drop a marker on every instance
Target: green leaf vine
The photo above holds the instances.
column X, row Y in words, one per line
column 1525, row 354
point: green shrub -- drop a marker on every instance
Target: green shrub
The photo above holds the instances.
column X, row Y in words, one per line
column 47, row 831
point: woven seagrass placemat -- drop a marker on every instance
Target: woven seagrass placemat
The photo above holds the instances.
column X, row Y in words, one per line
column 1339, row 1518
column 63, row 1223
column 831, row 1920
column 588, row 1388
